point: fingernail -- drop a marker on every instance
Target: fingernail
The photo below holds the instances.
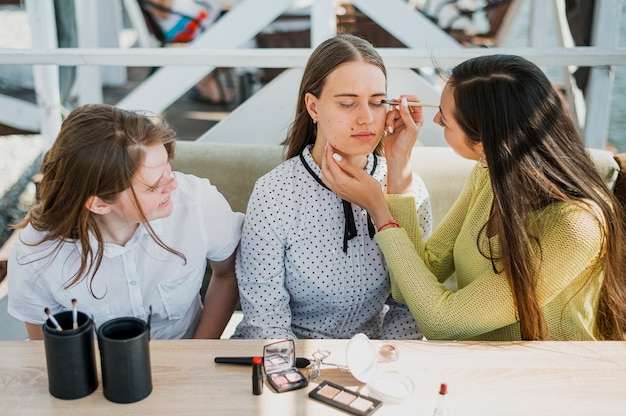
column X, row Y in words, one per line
column 405, row 103
column 390, row 129
column 337, row 157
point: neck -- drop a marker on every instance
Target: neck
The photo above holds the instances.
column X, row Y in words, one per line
column 116, row 232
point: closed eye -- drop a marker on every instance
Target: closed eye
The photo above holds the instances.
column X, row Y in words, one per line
column 154, row 187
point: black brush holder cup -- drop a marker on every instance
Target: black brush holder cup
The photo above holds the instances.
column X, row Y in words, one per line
column 125, row 359
column 70, row 356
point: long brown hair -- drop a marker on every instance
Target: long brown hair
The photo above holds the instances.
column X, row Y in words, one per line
column 98, row 151
column 535, row 157
column 330, row 54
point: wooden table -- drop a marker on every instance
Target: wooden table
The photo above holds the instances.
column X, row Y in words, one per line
column 523, row 378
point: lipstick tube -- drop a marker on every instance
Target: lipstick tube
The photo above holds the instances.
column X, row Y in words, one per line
column 257, row 376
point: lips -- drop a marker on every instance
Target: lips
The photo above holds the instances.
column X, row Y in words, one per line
column 165, row 202
column 364, row 136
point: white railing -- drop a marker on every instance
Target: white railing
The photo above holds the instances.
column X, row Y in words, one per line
column 220, row 47
column 295, row 58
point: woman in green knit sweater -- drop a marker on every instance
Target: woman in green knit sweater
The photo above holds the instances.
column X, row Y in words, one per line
column 536, row 238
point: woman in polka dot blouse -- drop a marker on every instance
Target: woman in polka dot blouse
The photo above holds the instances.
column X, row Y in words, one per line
column 308, row 266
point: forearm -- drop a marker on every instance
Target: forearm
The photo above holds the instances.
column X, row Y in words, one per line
column 380, row 213
column 219, row 303
column 34, row 331
column 400, row 176
column 402, row 208
column 483, row 306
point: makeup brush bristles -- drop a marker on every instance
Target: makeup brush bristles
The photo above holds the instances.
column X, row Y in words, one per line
column 53, row 319
column 74, row 314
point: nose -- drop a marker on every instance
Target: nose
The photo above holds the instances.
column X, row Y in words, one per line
column 366, row 116
column 171, row 184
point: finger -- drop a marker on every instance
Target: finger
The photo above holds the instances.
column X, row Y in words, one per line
column 390, row 120
column 327, row 173
column 343, row 168
column 411, row 116
column 417, row 113
column 335, row 170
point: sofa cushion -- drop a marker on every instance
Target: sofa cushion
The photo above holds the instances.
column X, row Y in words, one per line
column 234, row 169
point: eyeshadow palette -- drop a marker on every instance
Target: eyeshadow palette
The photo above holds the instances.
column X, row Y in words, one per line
column 338, row 396
column 288, row 380
column 279, row 362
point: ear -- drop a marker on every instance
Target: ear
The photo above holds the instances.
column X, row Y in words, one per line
column 310, row 102
column 97, row 205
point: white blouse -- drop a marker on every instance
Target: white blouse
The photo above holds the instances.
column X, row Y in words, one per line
column 295, row 281
column 136, row 276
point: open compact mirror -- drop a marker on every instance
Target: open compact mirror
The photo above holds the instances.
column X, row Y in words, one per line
column 388, row 386
column 279, row 361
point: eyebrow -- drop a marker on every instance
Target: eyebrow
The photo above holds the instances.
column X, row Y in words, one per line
column 347, row 94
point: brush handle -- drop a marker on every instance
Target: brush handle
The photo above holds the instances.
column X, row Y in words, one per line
column 300, row 362
column 411, row 104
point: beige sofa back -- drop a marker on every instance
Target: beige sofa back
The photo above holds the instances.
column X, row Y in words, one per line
column 234, row 168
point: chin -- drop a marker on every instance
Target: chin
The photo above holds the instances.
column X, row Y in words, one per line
column 164, row 212
column 363, row 150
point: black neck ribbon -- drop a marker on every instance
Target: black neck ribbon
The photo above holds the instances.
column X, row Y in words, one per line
column 350, row 227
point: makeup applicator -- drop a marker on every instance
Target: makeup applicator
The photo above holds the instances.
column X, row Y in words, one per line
column 74, row 314
column 53, row 319
column 411, row 104
column 301, row 362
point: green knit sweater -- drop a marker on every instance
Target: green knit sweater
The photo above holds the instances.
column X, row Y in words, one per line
column 482, row 308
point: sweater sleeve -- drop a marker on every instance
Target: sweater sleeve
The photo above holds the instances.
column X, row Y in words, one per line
column 438, row 251
column 442, row 314
column 570, row 241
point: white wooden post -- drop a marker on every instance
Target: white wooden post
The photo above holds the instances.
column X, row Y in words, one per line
column 573, row 94
column 323, row 21
column 538, row 27
column 605, row 33
column 110, row 21
column 46, row 77
column 88, row 78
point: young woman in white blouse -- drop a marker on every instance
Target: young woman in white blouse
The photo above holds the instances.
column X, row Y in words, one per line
column 308, row 266
column 118, row 231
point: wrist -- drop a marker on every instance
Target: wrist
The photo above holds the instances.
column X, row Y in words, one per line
column 388, row 224
column 400, row 181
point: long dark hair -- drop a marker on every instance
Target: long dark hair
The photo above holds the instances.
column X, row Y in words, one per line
column 535, row 157
column 98, row 151
column 330, row 54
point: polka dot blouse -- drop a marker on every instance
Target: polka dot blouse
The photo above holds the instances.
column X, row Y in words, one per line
column 294, row 279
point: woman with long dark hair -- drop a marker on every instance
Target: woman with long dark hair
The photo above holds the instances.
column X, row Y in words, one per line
column 536, row 238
